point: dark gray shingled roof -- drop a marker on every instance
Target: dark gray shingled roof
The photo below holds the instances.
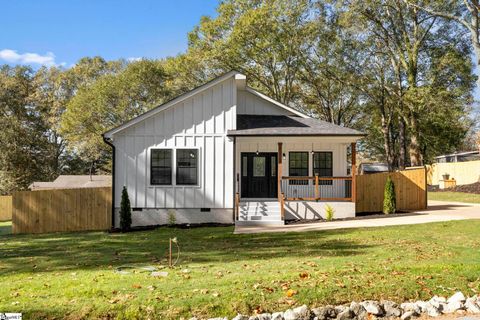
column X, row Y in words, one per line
column 267, row 125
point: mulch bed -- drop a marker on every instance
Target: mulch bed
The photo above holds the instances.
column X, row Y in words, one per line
column 467, row 188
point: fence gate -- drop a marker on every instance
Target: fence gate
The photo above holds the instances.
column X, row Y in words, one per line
column 410, row 190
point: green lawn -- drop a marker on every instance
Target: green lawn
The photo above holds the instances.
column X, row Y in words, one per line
column 454, row 196
column 73, row 275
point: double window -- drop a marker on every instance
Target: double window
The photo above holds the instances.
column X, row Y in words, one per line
column 186, row 166
column 298, row 166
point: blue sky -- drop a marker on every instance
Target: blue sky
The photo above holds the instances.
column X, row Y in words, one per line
column 51, row 32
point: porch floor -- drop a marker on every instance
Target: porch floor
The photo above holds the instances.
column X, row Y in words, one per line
column 437, row 211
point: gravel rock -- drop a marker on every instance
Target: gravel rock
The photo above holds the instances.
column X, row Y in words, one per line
column 300, row 313
column 457, row 297
column 340, row 309
column 290, row 315
column 408, row 315
column 422, row 306
column 277, row 316
column 411, row 307
column 471, row 305
column 373, row 307
column 391, row 309
column 437, row 301
column 240, row 317
column 324, row 313
column 358, row 310
column 263, row 316
column 346, row 314
column 432, row 311
column 453, row 306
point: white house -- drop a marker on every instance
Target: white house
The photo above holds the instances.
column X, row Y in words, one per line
column 225, row 153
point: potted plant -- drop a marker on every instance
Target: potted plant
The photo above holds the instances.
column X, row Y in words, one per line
column 445, row 176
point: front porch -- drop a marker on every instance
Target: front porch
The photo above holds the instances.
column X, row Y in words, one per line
column 293, row 178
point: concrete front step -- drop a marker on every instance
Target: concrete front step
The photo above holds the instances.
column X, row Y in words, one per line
column 259, row 213
column 259, row 223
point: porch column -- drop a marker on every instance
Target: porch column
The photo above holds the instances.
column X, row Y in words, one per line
column 354, row 171
column 279, row 172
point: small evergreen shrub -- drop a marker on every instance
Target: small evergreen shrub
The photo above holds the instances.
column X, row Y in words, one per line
column 329, row 212
column 172, row 218
column 125, row 211
column 389, row 200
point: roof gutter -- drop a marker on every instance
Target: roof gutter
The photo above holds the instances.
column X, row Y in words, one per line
column 109, row 142
column 294, row 135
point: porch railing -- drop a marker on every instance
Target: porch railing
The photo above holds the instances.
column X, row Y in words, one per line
column 317, row 188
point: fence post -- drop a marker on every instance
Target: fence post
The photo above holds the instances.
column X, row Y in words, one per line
column 317, row 191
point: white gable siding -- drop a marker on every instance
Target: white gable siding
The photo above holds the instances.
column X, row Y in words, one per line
column 201, row 122
column 248, row 103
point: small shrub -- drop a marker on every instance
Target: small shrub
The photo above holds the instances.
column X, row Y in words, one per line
column 329, row 212
column 172, row 218
column 125, row 211
column 389, row 200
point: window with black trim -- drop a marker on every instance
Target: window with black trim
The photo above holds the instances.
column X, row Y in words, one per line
column 323, row 166
column 298, row 167
column 160, row 166
column 187, row 166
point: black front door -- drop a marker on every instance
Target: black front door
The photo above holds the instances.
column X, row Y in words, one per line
column 259, row 175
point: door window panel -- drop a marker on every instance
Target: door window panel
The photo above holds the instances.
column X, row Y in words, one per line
column 259, row 166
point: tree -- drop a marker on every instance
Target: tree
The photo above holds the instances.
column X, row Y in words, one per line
column 23, row 139
column 108, row 102
column 125, row 211
column 411, row 41
column 466, row 13
column 263, row 39
column 389, row 198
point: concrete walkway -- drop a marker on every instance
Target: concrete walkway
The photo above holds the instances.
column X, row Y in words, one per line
column 438, row 211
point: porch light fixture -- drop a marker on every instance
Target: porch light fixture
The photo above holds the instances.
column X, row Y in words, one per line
column 284, row 156
column 312, row 150
column 257, row 149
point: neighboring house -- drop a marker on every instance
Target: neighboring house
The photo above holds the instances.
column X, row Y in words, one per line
column 225, row 153
column 73, row 182
column 368, row 168
column 462, row 168
column 459, row 157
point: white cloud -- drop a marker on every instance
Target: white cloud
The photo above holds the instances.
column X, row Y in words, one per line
column 134, row 59
column 12, row 56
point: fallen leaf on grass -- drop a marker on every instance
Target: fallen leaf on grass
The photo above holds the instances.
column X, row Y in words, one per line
column 136, row 286
column 257, row 310
column 304, row 275
column 290, row 293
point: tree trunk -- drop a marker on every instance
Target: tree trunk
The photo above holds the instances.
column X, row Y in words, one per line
column 416, row 158
column 401, row 141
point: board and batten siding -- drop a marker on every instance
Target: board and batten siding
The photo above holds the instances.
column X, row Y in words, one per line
column 249, row 103
column 199, row 122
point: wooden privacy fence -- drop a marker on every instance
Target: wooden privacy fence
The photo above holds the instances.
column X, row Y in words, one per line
column 5, row 208
column 62, row 210
column 410, row 190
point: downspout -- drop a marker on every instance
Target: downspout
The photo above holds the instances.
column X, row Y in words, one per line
column 234, row 177
column 109, row 142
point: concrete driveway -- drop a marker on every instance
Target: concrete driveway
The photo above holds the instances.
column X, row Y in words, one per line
column 437, row 211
